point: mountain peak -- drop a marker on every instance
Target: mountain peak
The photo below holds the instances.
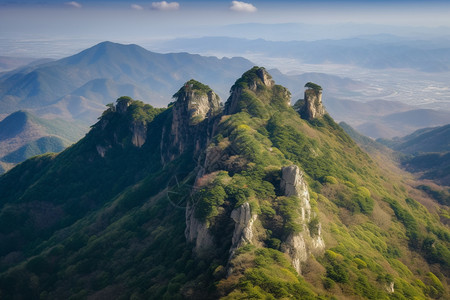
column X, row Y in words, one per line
column 13, row 124
column 254, row 78
column 254, row 92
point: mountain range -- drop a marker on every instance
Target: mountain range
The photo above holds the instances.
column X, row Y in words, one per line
column 23, row 135
column 427, row 152
column 372, row 52
column 252, row 199
column 77, row 88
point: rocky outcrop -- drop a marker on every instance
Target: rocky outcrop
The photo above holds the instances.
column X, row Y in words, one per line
column 299, row 246
column 195, row 105
column 312, row 107
column 390, row 288
column 139, row 134
column 197, row 232
column 256, row 77
column 243, row 226
column 294, row 184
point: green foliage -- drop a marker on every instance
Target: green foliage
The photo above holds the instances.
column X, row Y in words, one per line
column 115, row 207
column 410, row 223
column 192, row 85
column 253, row 105
column 435, row 289
column 272, row 277
column 440, row 196
column 313, row 86
column 313, row 226
column 40, row 146
column 330, row 180
column 207, row 202
column 249, row 76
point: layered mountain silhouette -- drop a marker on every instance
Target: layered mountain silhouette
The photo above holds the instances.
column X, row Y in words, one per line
column 23, row 135
column 203, row 201
column 427, row 152
column 80, row 85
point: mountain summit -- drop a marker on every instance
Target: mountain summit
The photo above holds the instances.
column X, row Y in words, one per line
column 200, row 201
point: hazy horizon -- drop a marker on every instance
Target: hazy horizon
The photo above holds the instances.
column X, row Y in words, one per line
column 57, row 28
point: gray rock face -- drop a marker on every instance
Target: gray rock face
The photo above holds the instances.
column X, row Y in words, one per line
column 299, row 246
column 197, row 232
column 232, row 105
column 390, row 288
column 243, row 227
column 313, row 107
column 293, row 184
column 265, row 77
column 189, row 126
column 139, row 130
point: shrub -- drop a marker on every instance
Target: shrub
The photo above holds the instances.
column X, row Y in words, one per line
column 207, row 202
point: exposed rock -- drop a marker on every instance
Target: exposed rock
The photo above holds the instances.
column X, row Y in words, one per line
column 390, row 288
column 293, row 184
column 295, row 247
column 312, row 106
column 243, row 227
column 298, row 246
column 262, row 78
column 122, row 104
column 196, row 104
column 102, row 150
column 265, row 77
column 197, row 232
column 139, row 130
column 232, row 104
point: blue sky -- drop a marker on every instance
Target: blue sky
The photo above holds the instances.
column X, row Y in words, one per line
column 138, row 21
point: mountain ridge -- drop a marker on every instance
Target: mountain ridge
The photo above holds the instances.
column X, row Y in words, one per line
column 23, row 134
column 199, row 201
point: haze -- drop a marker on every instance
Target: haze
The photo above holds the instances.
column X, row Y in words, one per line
column 56, row 28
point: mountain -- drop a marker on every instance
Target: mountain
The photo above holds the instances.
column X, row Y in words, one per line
column 203, row 201
column 427, row 152
column 79, row 86
column 435, row 139
column 385, row 119
column 11, row 63
column 22, row 135
column 366, row 52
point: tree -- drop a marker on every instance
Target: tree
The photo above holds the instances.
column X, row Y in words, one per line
column 313, row 86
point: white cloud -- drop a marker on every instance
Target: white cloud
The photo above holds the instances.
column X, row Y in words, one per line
column 164, row 5
column 242, row 6
column 74, row 4
column 136, row 7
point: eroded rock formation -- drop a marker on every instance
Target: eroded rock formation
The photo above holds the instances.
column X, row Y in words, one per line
column 299, row 246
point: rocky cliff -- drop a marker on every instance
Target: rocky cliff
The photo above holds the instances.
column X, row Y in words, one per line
column 299, row 246
column 312, row 107
column 194, row 107
column 255, row 87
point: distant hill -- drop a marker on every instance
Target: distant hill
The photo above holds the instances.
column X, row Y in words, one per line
column 78, row 86
column 23, row 135
column 363, row 141
column 10, row 63
column 385, row 119
column 435, row 139
column 427, row 152
column 365, row 52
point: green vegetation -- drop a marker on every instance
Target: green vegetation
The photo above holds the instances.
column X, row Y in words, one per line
column 317, row 88
column 42, row 145
column 106, row 218
column 192, row 85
